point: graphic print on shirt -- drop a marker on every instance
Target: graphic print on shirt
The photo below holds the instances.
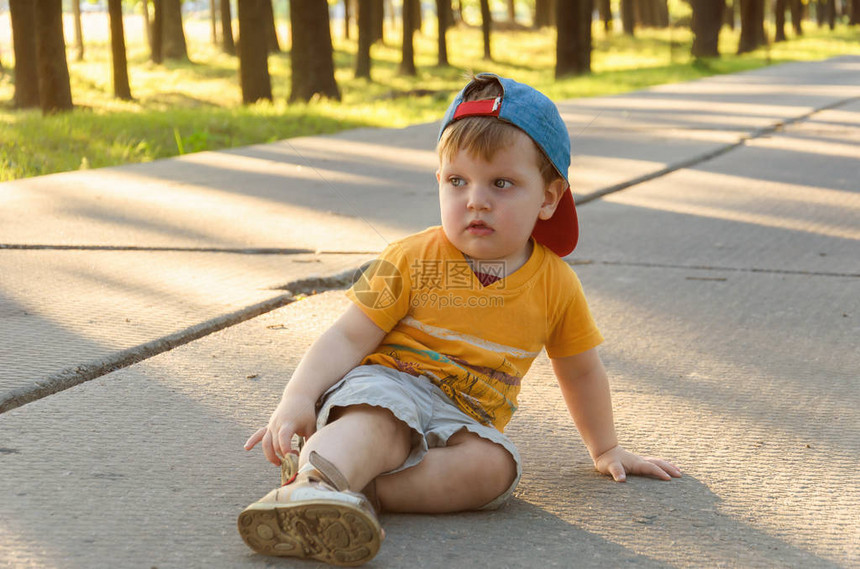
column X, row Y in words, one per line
column 471, row 387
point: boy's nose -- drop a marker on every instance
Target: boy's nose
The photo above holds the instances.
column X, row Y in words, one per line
column 478, row 199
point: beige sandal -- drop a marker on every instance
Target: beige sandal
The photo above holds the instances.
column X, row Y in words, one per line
column 315, row 516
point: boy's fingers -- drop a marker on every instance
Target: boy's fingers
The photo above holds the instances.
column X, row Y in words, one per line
column 255, row 438
column 269, row 450
column 616, row 470
column 655, row 471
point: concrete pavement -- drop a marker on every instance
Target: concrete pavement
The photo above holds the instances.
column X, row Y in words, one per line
column 719, row 252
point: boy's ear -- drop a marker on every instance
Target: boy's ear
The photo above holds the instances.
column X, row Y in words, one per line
column 438, row 175
column 552, row 195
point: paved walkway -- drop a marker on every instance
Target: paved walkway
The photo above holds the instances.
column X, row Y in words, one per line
column 719, row 252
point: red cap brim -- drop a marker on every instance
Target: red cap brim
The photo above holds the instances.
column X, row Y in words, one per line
column 560, row 232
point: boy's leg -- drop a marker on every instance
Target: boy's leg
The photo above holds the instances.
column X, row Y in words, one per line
column 362, row 442
column 468, row 473
column 317, row 516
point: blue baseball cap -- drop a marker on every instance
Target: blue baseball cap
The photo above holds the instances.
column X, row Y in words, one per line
column 535, row 114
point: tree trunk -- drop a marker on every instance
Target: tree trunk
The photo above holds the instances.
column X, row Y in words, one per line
column 706, row 24
column 55, row 91
column 213, row 22
column 486, row 24
column 157, row 31
column 271, row 32
column 312, row 59
column 418, row 20
column 779, row 20
column 378, row 20
column 347, row 14
column 365, row 40
column 512, row 11
column 79, row 31
column 24, row 45
column 854, row 20
column 604, row 8
column 752, row 25
column 407, row 63
column 730, row 14
column 121, row 88
column 443, row 15
column 147, row 24
column 173, row 38
column 544, row 13
column 227, row 45
column 253, row 51
column 573, row 43
column 796, row 10
column 831, row 14
column 628, row 17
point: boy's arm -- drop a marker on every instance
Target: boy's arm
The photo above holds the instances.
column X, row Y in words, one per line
column 338, row 350
column 585, row 388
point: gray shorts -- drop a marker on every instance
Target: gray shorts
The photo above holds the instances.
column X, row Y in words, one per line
column 433, row 417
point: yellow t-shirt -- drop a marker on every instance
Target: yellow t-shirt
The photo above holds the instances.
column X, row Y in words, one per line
column 475, row 342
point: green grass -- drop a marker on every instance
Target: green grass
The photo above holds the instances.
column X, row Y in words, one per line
column 188, row 107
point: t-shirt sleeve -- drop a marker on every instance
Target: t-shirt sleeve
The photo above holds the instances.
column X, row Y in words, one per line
column 382, row 289
column 574, row 330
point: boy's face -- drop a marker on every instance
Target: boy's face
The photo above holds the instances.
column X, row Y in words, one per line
column 489, row 209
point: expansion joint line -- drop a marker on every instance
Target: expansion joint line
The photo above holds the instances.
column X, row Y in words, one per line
column 705, row 157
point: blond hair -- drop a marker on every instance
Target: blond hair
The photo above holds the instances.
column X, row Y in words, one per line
column 482, row 137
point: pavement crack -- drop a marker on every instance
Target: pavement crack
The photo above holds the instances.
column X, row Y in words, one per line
column 761, row 270
column 583, row 199
column 234, row 250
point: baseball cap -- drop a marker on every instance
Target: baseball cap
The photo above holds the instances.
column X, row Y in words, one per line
column 535, row 114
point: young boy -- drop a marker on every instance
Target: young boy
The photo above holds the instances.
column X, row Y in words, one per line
column 404, row 399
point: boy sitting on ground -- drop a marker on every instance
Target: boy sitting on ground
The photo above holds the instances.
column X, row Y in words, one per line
column 403, row 401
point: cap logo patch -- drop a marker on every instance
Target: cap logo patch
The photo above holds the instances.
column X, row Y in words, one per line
column 484, row 108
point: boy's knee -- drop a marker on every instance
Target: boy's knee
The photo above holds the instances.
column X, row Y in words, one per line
column 493, row 465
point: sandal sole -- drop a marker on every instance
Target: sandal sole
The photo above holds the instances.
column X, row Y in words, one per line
column 327, row 531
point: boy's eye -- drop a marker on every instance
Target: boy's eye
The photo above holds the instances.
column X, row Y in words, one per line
column 455, row 181
column 503, row 184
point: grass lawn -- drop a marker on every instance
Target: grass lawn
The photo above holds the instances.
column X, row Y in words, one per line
column 183, row 107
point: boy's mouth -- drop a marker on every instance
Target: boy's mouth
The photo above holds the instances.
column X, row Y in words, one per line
column 479, row 228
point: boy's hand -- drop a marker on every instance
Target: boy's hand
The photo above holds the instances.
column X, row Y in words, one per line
column 618, row 462
column 293, row 416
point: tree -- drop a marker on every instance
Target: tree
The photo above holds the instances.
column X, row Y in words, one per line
column 312, row 58
column 378, row 20
column 147, row 23
column 157, row 45
column 444, row 16
column 731, row 6
column 854, row 19
column 347, row 15
column 24, row 45
column 706, row 24
column 365, row 39
column 573, row 43
column 628, row 17
column 796, row 10
column 121, row 88
column 486, row 24
column 79, row 32
column 227, row 45
column 55, row 91
column 173, row 38
column 779, row 7
column 752, row 25
column 272, row 43
column 407, row 62
column 253, row 52
column 604, row 8
column 544, row 12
